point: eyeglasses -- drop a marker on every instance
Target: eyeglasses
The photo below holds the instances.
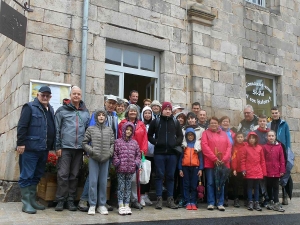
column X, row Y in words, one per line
column 246, row 113
column 45, row 96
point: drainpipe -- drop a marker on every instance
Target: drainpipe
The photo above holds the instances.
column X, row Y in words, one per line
column 85, row 19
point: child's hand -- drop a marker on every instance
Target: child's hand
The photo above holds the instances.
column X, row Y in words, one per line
column 244, row 173
column 181, row 173
column 234, row 172
column 199, row 173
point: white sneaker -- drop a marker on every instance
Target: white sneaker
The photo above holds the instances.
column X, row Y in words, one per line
column 128, row 210
column 92, row 210
column 147, row 200
column 102, row 210
column 142, row 202
column 122, row 210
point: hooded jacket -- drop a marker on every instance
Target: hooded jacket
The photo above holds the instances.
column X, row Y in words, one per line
column 198, row 131
column 213, row 143
column 150, row 146
column 71, row 124
column 101, row 139
column 253, row 160
column 237, row 151
column 127, row 156
column 190, row 157
column 275, row 163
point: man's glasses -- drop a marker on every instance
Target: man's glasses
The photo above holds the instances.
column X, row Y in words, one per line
column 45, row 96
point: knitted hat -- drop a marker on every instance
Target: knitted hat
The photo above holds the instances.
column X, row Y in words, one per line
column 165, row 105
column 155, row 102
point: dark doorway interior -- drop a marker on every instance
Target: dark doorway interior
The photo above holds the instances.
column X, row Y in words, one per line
column 136, row 82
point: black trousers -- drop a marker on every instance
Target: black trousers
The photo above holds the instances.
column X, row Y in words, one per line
column 273, row 188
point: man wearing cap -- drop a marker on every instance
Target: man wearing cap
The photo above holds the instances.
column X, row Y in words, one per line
column 177, row 109
column 111, row 121
column 35, row 137
column 168, row 135
column 156, row 108
column 71, row 119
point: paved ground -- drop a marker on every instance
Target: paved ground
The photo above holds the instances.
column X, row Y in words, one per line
column 10, row 214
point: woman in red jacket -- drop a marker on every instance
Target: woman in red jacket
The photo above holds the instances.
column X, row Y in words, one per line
column 275, row 165
column 132, row 114
column 253, row 167
column 216, row 150
column 237, row 178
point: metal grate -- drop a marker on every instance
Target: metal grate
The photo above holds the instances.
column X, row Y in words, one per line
column 258, row 2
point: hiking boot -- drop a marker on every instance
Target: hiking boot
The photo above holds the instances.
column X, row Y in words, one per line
column 83, row 206
column 278, row 207
column 71, row 206
column 250, row 205
column 158, row 204
column 270, row 205
column 171, row 204
column 257, row 206
column 236, row 203
column 60, row 206
column 136, row 205
column 181, row 203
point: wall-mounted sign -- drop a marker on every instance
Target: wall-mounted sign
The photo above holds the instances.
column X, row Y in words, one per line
column 12, row 23
column 59, row 91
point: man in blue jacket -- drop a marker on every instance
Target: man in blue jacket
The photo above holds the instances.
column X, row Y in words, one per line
column 35, row 137
column 71, row 119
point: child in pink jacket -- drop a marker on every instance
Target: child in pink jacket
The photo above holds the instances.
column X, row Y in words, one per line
column 275, row 165
column 253, row 167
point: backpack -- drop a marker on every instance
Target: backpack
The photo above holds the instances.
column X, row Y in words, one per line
column 158, row 120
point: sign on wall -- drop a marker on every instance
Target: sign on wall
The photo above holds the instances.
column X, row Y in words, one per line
column 12, row 23
column 59, row 91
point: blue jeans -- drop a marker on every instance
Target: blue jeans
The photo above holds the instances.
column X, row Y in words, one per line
column 32, row 167
column 165, row 164
column 85, row 192
column 190, row 180
column 212, row 196
column 253, row 184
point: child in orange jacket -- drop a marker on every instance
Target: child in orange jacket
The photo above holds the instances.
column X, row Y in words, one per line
column 237, row 178
column 190, row 168
column 253, row 167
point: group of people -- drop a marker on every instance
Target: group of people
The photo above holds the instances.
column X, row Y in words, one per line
column 183, row 149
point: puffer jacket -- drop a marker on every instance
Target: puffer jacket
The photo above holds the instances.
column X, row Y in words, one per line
column 274, row 157
column 236, row 156
column 71, row 124
column 213, row 143
column 253, row 160
column 101, row 138
column 140, row 134
column 127, row 156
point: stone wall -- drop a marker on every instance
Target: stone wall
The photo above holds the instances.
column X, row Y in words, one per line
column 203, row 57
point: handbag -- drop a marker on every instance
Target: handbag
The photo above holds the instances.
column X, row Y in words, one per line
column 145, row 170
column 178, row 149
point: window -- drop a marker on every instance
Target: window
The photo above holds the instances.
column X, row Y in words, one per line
column 129, row 68
column 258, row 2
column 260, row 92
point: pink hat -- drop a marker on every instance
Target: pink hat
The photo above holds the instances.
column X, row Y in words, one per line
column 165, row 105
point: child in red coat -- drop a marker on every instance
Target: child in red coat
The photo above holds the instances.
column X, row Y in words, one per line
column 275, row 165
column 237, row 178
column 253, row 167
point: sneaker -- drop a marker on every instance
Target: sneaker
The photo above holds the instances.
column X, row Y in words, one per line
column 147, row 200
column 128, row 210
column 250, row 205
column 270, row 205
column 136, row 205
column 92, row 210
column 109, row 208
column 122, row 210
column 83, row 206
column 221, row 208
column 60, row 206
column 158, row 204
column 210, row 207
column 182, row 204
column 188, row 206
column 142, row 202
column 257, row 206
column 171, row 204
column 236, row 203
column 102, row 210
column 71, row 206
column 278, row 207
column 194, row 207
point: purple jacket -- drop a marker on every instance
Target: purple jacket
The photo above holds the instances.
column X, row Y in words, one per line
column 274, row 158
column 127, row 156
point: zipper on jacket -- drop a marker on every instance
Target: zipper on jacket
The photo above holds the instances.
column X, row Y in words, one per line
column 167, row 135
column 190, row 158
column 46, row 124
column 76, row 129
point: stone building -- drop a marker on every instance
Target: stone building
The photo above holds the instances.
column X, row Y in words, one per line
column 222, row 53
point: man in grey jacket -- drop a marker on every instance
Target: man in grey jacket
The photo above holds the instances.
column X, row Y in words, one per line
column 71, row 121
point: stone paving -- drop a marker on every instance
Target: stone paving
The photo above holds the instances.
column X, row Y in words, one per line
column 10, row 214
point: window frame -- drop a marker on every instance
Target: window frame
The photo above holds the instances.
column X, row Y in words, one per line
column 262, row 5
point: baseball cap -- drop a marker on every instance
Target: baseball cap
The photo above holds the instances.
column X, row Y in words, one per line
column 111, row 97
column 176, row 107
column 45, row 89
